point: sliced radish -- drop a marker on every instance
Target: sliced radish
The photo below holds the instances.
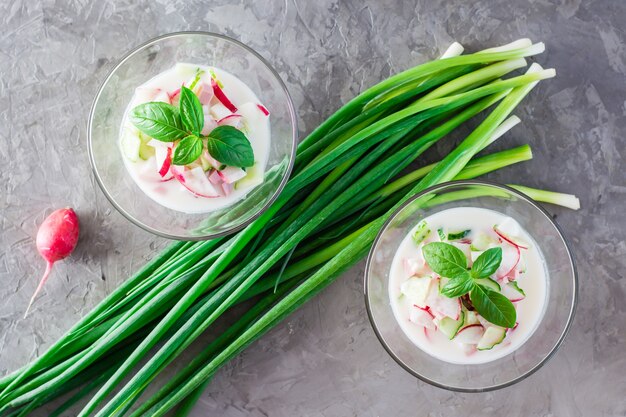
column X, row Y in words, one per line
column 162, row 97
column 234, row 120
column 510, row 258
column 483, row 321
column 212, row 161
column 204, row 92
column 469, row 350
column 214, row 177
column 508, row 230
column 146, row 94
column 512, row 328
column 162, row 155
column 443, row 306
column 231, row 174
column 513, row 292
column 194, row 180
column 209, row 124
column 415, row 265
column 221, row 96
column 227, row 188
column 174, row 97
column 470, row 335
column 167, row 163
column 263, row 109
column 219, row 111
column 422, row 317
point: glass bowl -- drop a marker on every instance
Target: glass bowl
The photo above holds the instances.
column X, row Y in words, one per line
column 152, row 58
column 558, row 310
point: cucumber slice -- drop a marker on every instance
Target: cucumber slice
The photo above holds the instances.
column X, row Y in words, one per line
column 493, row 335
column 442, row 234
column 416, row 289
column 421, row 232
column 471, row 317
column 145, row 151
column 489, row 283
column 186, row 70
column 459, row 235
column 482, row 242
column 450, row 327
column 130, row 145
column 254, row 177
column 513, row 292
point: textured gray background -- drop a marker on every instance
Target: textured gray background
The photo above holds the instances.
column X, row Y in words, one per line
column 325, row 360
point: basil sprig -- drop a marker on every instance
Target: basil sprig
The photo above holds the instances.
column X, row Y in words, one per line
column 167, row 123
column 449, row 261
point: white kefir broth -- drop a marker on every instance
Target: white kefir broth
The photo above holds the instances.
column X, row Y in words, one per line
column 172, row 194
column 529, row 310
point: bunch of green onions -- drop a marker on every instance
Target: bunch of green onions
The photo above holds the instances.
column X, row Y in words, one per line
column 345, row 184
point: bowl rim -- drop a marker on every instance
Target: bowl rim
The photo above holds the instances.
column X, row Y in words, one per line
column 294, row 136
column 568, row 250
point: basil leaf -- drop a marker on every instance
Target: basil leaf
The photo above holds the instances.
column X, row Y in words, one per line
column 230, row 146
column 445, row 259
column 187, row 150
column 493, row 306
column 487, row 263
column 191, row 112
column 459, row 286
column 160, row 121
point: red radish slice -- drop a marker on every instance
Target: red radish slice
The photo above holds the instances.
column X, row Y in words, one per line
column 443, row 306
column 214, row 177
column 231, row 175
column 470, row 335
column 469, row 350
column 233, row 120
column 263, row 109
column 510, row 258
column 426, row 333
column 162, row 97
column 56, row 239
column 221, row 96
column 209, row 124
column 512, row 293
column 227, row 188
column 204, row 92
column 415, row 266
column 513, row 241
column 422, row 317
column 212, row 161
column 146, row 94
column 167, row 163
column 195, row 181
column 512, row 328
column 174, row 96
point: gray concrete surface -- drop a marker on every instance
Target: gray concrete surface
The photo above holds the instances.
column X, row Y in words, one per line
column 325, row 360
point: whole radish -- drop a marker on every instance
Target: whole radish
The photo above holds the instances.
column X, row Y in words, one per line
column 56, row 239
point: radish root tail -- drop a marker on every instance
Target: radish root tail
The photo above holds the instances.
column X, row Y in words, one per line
column 39, row 287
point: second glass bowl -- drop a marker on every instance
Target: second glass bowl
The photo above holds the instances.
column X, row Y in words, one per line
column 152, row 58
column 559, row 305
